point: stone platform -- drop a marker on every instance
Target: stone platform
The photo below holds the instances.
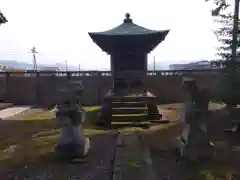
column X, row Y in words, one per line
column 13, row 111
column 135, row 108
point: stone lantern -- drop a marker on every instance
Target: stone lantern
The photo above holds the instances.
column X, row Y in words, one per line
column 70, row 116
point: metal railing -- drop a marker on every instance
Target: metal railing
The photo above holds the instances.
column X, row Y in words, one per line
column 108, row 73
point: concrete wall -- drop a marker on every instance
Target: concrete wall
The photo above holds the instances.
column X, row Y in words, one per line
column 40, row 88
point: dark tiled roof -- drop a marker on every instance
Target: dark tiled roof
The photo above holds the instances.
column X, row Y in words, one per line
column 128, row 32
column 2, row 18
column 127, row 28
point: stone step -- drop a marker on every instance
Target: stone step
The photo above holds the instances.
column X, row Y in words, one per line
column 155, row 116
column 129, row 110
column 129, row 104
column 129, row 117
column 130, row 98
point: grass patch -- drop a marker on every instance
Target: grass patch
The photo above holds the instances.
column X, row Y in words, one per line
column 45, row 115
column 131, row 129
column 205, row 170
column 31, row 139
column 34, row 148
column 92, row 108
column 129, row 115
column 162, row 137
column 92, row 114
column 211, row 171
column 179, row 106
column 116, row 123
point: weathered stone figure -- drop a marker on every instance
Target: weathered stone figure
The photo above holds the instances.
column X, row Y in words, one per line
column 70, row 116
column 194, row 142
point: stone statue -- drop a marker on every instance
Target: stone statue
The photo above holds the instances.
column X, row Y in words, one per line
column 70, row 116
column 193, row 141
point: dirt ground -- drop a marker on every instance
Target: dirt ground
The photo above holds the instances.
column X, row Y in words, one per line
column 27, row 143
column 96, row 166
column 224, row 165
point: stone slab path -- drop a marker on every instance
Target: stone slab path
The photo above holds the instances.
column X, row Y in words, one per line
column 12, row 111
column 136, row 160
column 132, row 160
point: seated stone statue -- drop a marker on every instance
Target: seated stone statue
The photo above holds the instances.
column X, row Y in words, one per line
column 72, row 143
column 193, row 141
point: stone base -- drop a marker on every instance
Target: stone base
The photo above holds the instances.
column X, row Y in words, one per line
column 115, row 107
column 73, row 150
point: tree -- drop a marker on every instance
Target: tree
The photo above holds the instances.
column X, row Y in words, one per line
column 229, row 51
column 221, row 6
column 224, row 35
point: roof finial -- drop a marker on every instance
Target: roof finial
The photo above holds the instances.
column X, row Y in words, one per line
column 127, row 19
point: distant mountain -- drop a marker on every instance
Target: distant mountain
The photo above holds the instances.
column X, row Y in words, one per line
column 158, row 66
column 28, row 66
column 16, row 64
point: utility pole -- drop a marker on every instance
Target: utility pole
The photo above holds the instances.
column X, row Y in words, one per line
column 66, row 65
column 233, row 62
column 34, row 52
column 235, row 33
column 233, row 98
column 154, row 64
column 79, row 67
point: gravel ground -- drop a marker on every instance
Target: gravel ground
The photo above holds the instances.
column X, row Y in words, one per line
column 98, row 165
column 166, row 166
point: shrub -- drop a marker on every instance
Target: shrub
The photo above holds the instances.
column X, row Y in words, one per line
column 230, row 91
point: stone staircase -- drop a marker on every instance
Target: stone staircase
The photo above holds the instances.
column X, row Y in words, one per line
column 138, row 108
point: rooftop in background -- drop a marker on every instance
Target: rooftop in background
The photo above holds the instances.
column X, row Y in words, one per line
column 2, row 18
column 193, row 65
column 50, row 68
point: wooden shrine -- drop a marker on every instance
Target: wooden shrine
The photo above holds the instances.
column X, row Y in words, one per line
column 128, row 45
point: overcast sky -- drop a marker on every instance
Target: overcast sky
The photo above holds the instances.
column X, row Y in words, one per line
column 59, row 29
